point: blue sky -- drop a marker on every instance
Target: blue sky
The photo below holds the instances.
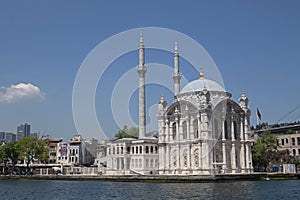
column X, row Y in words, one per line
column 255, row 45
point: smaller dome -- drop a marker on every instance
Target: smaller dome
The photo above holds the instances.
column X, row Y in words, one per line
column 200, row 84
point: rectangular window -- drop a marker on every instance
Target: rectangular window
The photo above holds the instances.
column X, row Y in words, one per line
column 282, row 142
column 298, row 140
column 128, row 150
column 286, row 140
column 293, row 141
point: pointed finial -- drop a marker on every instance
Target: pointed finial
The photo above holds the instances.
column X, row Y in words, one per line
column 243, row 94
column 141, row 37
column 186, row 107
column 162, row 96
column 176, row 47
column 201, row 74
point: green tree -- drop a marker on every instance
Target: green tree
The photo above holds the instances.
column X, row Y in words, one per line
column 32, row 149
column 265, row 152
column 127, row 133
column 9, row 152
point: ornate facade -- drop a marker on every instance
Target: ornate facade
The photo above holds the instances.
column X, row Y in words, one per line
column 204, row 131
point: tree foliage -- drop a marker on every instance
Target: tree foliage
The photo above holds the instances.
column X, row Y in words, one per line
column 265, row 152
column 29, row 149
column 127, row 133
column 33, row 149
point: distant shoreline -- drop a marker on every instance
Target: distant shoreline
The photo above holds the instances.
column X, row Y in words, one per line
column 162, row 178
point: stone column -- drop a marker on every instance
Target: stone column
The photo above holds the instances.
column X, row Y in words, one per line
column 162, row 156
column 192, row 131
column 233, row 150
column 167, row 131
column 180, row 130
column 167, row 165
column 177, row 129
column 171, row 132
column 199, row 126
column 242, row 152
column 224, row 146
column 188, row 128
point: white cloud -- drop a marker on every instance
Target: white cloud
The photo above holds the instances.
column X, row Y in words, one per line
column 20, row 92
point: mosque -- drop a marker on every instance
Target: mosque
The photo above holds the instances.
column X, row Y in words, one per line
column 203, row 132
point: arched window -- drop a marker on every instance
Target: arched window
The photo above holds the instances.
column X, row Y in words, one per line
column 195, row 126
column 184, row 130
column 235, row 131
column 174, row 130
column 128, row 150
column 294, row 152
column 226, row 130
column 216, row 130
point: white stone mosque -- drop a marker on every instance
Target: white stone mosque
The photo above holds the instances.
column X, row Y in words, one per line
column 203, row 132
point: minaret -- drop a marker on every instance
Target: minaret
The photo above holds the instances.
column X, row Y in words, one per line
column 142, row 105
column 176, row 74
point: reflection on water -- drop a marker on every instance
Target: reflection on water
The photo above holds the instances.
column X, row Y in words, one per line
column 40, row 189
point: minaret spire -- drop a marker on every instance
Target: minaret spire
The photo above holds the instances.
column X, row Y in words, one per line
column 142, row 105
column 176, row 74
column 141, row 50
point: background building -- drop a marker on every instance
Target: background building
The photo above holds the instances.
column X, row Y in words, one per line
column 53, row 147
column 7, row 137
column 23, row 131
column 288, row 136
column 290, row 142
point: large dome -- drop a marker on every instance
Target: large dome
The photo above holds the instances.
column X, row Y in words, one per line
column 198, row 85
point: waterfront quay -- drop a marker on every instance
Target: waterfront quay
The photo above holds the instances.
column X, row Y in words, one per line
column 163, row 178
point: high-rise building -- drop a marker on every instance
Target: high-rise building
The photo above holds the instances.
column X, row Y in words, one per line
column 23, row 131
column 7, row 137
column 2, row 135
column 10, row 137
